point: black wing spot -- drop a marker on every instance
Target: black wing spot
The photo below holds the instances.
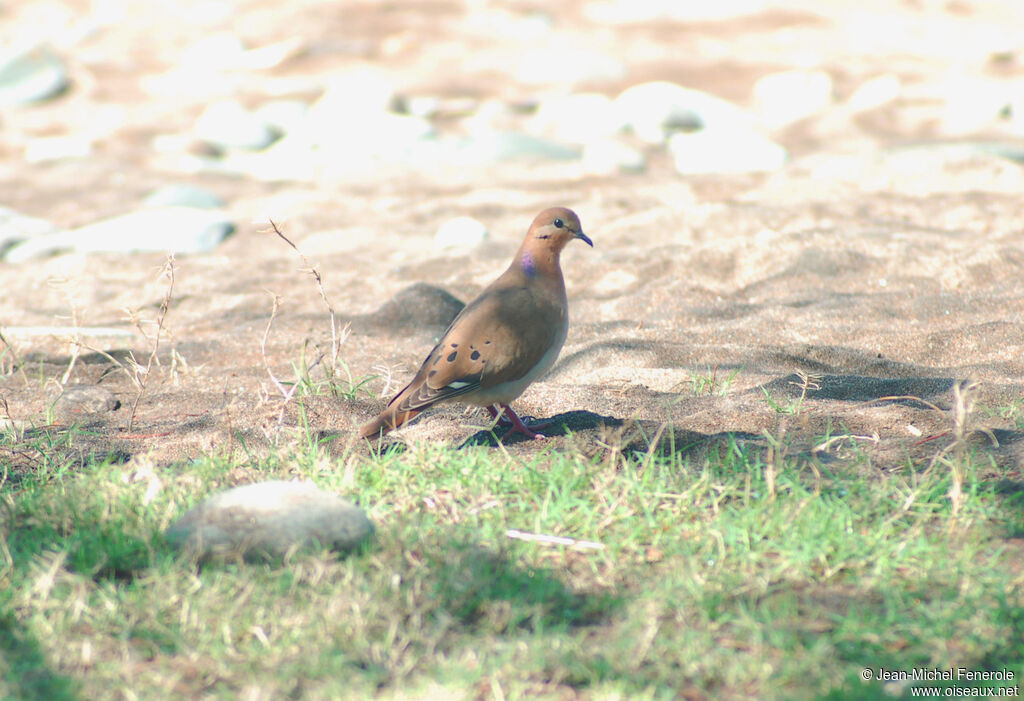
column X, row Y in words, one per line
column 475, row 355
column 431, row 373
column 451, row 356
column 455, row 345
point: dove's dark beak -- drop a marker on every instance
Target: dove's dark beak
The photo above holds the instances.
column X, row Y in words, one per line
column 584, row 238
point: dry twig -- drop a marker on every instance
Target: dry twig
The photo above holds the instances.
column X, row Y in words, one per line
column 142, row 374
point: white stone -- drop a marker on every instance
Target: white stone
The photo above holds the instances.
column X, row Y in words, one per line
column 506, row 25
column 973, row 104
column 225, row 51
column 44, row 149
column 353, row 120
column 30, row 73
column 365, row 90
column 634, row 11
column 874, row 93
column 425, row 106
column 269, row 519
column 229, row 125
column 716, row 150
column 497, row 146
column 608, row 157
column 654, row 111
column 555, row 62
column 183, row 195
column 213, row 52
column 292, row 157
column 283, row 115
column 385, row 135
column 16, row 227
column 575, row 118
column 192, row 82
column 459, row 233
column 174, row 229
column 789, row 96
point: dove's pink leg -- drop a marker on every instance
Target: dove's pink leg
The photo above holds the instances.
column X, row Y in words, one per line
column 517, row 424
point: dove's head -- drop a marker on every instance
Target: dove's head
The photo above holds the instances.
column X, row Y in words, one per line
column 555, row 227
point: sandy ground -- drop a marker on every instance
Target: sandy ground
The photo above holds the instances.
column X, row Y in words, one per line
column 884, row 261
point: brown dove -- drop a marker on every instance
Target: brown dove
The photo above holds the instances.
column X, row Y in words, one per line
column 503, row 340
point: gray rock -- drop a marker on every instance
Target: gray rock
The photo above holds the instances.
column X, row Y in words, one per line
column 30, row 73
column 178, row 195
column 459, row 233
column 269, row 520
column 79, row 400
column 175, row 229
column 417, row 307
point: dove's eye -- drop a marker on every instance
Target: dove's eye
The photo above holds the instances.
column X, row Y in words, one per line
column 558, row 223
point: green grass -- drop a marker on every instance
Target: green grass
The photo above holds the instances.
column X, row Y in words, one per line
column 714, row 581
column 710, row 383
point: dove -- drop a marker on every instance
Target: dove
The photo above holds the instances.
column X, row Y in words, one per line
column 503, row 340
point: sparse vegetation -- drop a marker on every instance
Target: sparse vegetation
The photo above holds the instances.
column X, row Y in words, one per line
column 639, row 563
column 711, row 382
column 754, row 571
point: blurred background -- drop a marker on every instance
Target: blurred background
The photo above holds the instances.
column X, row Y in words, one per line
column 111, row 107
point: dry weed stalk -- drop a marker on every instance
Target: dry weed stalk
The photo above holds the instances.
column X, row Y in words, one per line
column 137, row 373
column 286, row 394
column 14, row 356
column 964, row 406
column 808, row 381
column 545, row 539
column 75, row 342
column 955, row 454
column 775, row 453
column 338, row 337
column 141, row 374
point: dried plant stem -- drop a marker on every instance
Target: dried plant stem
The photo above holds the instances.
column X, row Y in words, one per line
column 963, row 408
column 14, row 354
column 286, row 393
column 142, row 374
column 337, row 337
column 545, row 539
